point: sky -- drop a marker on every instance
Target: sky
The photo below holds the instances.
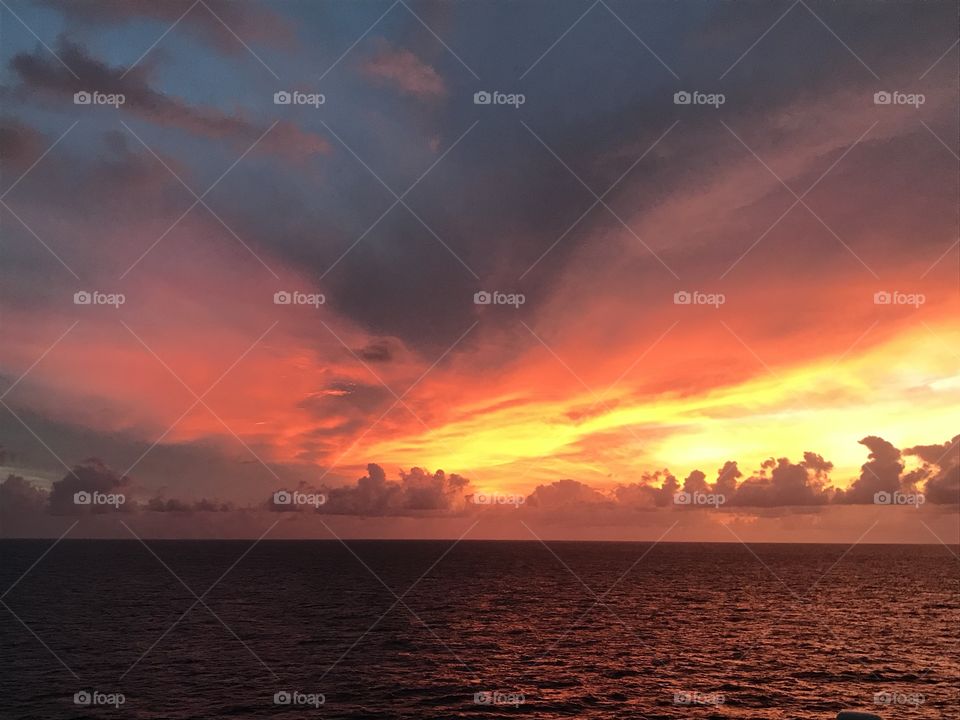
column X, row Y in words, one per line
column 586, row 306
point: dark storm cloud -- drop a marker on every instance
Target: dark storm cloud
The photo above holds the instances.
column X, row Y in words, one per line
column 18, row 497
column 40, row 73
column 216, row 23
column 90, row 476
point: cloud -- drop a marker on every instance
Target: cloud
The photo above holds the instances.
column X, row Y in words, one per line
column 39, row 73
column 90, row 476
column 788, row 484
column 941, row 468
column 564, row 494
column 215, row 21
column 19, row 498
column 416, row 492
column 881, row 473
column 405, row 71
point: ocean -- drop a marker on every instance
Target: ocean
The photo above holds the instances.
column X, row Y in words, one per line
column 411, row 629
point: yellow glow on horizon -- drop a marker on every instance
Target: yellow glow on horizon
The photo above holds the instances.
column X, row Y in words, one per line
column 904, row 390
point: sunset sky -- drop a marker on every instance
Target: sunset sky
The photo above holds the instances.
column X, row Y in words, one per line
column 797, row 201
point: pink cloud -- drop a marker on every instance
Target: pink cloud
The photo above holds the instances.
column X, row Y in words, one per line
column 408, row 73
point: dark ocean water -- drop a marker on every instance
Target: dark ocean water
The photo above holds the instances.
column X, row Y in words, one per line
column 800, row 631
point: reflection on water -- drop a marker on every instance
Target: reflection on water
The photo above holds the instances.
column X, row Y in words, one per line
column 608, row 630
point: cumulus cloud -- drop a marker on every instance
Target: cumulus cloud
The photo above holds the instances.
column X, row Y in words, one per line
column 787, row 484
column 564, row 494
column 90, row 476
column 39, row 73
column 881, row 473
column 18, row 498
column 417, row 491
column 404, row 71
column 941, row 469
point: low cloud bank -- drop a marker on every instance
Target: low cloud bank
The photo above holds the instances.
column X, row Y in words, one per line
column 93, row 487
